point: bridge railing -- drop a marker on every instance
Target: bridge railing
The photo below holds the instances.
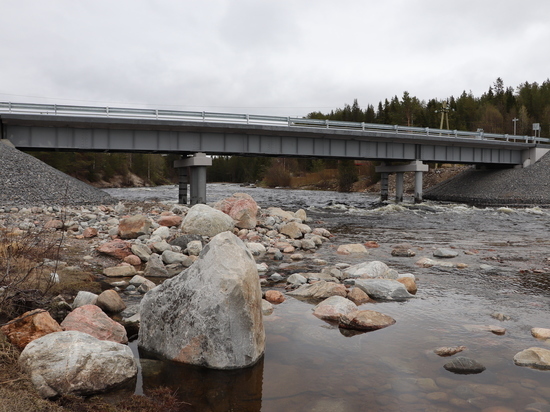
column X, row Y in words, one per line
column 162, row 114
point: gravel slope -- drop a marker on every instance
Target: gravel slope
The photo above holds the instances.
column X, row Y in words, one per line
column 504, row 187
column 26, row 181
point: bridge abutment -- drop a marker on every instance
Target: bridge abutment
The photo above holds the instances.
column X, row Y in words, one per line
column 417, row 167
column 192, row 171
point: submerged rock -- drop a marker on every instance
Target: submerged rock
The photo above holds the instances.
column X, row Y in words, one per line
column 464, row 366
column 210, row 314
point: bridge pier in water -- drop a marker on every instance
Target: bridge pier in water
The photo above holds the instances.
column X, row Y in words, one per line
column 192, row 171
column 417, row 167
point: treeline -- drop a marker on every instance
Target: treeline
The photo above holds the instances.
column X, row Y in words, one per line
column 493, row 111
column 118, row 169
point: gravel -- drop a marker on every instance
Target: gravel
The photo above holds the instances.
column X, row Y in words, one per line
column 26, row 181
column 503, row 187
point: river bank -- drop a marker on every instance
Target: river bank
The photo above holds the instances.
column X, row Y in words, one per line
column 500, row 267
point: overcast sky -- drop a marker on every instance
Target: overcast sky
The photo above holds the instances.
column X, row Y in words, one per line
column 274, row 57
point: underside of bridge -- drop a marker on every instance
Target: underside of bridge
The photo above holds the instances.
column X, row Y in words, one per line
column 195, row 140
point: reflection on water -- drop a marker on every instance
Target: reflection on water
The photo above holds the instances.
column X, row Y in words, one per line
column 310, row 366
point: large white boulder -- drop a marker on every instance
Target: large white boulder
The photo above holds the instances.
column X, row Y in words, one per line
column 72, row 362
column 210, row 314
column 206, row 221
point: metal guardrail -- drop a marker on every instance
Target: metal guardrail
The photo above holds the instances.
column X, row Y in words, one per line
column 160, row 114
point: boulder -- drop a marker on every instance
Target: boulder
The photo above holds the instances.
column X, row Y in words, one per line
column 370, row 270
column 76, row 363
column 445, row 253
column 221, row 300
column 115, row 248
column 160, row 247
column 280, row 213
column 134, row 227
column 120, row 271
column 92, row 320
column 409, row 284
column 142, row 251
column 292, row 230
column 194, row 248
column 537, row 358
column 133, row 260
column 365, row 320
column 464, row 366
column 242, row 208
column 206, row 221
column 449, row 350
column 163, row 232
column 358, row 296
column 168, row 221
column 334, row 308
column 30, row 326
column 540, row 333
column 274, row 296
column 89, row 232
column 84, row 298
column 155, row 268
column 169, row 257
column 383, row 289
column 352, row 249
column 319, row 290
column 110, row 301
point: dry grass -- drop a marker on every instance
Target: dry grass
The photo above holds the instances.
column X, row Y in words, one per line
column 23, row 274
column 318, row 180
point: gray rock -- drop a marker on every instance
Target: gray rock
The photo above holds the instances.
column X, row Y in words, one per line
column 319, row 290
column 142, row 251
column 84, row 298
column 182, row 241
column 206, row 221
column 76, row 363
column 221, row 298
column 383, row 289
column 445, row 253
column 155, row 268
column 464, row 366
column 276, row 278
column 296, row 279
column 170, row 257
column 369, row 270
column 194, row 248
column 334, row 308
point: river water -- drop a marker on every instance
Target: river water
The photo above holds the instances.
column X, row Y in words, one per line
column 309, row 365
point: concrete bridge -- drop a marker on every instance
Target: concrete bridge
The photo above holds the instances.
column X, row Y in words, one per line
column 194, row 135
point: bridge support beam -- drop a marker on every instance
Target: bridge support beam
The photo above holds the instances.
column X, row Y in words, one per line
column 195, row 175
column 417, row 167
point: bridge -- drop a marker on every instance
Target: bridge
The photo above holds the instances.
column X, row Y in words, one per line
column 194, row 135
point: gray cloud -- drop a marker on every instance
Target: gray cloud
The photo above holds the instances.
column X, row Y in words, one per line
column 283, row 57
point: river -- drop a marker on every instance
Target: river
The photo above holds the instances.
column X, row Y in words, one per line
column 309, row 365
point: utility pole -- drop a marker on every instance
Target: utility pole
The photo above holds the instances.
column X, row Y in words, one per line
column 515, row 119
column 444, row 114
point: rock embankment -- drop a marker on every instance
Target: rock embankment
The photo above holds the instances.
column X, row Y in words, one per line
column 502, row 187
column 26, row 181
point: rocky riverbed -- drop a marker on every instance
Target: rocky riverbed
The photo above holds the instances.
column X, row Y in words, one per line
column 461, row 298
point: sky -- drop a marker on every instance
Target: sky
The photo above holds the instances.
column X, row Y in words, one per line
column 280, row 57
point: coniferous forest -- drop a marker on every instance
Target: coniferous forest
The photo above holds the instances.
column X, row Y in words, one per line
column 501, row 109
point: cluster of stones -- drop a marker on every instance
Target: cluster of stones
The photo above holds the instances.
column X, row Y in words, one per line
column 344, row 287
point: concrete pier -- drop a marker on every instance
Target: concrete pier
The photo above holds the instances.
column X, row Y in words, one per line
column 194, row 174
column 417, row 167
